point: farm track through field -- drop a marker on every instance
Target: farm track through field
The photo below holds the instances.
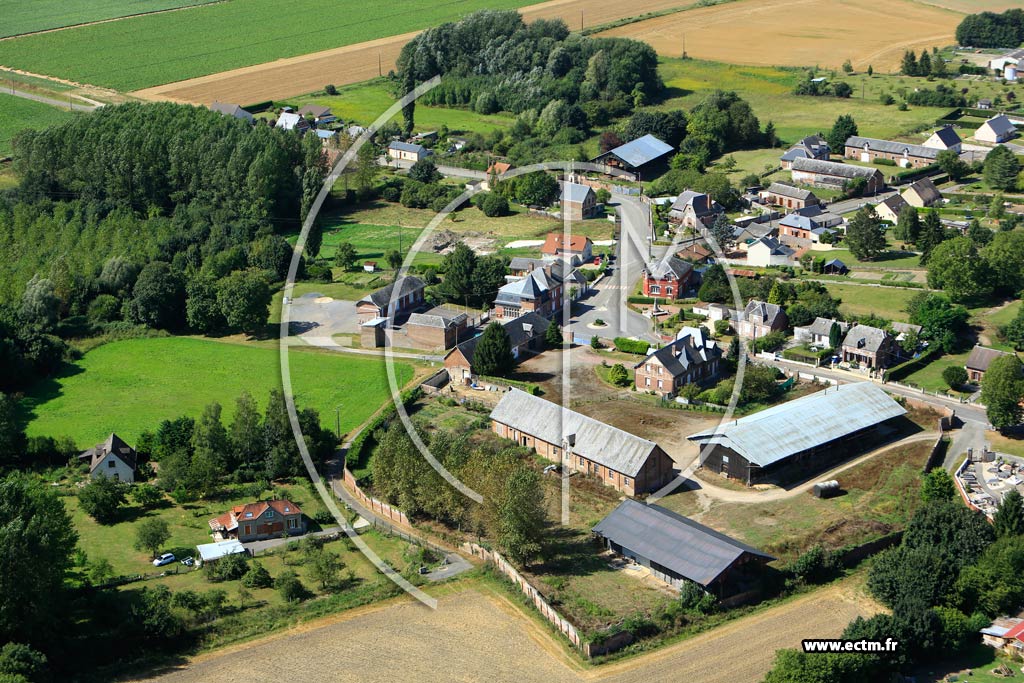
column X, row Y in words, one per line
column 478, row 634
column 799, row 32
column 285, row 78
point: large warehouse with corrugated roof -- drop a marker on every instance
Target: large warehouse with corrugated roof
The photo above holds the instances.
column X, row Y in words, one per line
column 800, row 437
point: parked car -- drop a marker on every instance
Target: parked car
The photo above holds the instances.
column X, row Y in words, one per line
column 166, row 558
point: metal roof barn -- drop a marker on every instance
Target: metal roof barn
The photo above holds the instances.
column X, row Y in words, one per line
column 641, row 151
column 677, row 543
column 784, row 430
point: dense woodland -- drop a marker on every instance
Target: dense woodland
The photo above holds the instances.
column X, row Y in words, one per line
column 988, row 29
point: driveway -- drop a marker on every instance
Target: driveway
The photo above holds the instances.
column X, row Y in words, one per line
column 316, row 315
column 256, row 547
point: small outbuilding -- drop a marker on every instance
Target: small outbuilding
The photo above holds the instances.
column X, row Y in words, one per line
column 211, row 552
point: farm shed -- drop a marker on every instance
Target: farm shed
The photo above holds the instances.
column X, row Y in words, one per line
column 211, row 552
column 677, row 549
column 617, row 458
column 797, row 437
column 635, row 154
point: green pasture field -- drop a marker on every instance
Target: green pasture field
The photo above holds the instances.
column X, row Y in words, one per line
column 894, row 259
column 769, row 91
column 930, row 376
column 40, row 15
column 219, row 37
column 364, row 102
column 130, row 386
column 886, row 302
column 17, row 114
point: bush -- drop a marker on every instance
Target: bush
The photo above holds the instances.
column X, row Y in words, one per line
column 618, row 375
column 257, row 577
column 815, row 565
column 769, row 342
column 227, row 568
column 494, row 205
column 954, row 376
column 330, row 89
column 721, row 327
column 290, row 588
column 637, row 346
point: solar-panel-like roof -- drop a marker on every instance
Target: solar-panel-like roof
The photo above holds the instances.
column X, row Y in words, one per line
column 689, row 549
column 771, row 435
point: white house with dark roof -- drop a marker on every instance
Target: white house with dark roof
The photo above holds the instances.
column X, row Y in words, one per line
column 922, row 193
column 624, row 461
column 945, row 138
column 768, row 251
column 759, row 319
column 819, row 332
column 694, row 210
column 113, row 459
column 693, row 358
column 797, row 438
column 997, row 129
column 291, row 121
column 407, row 151
column 889, row 208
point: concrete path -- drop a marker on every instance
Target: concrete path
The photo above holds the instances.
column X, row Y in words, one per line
column 255, row 547
column 62, row 104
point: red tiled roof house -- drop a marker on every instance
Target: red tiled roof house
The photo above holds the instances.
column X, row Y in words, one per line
column 259, row 521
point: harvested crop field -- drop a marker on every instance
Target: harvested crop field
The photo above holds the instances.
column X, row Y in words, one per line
column 362, row 61
column 799, row 32
column 477, row 635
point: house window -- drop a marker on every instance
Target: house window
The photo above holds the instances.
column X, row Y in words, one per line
column 111, row 464
column 248, row 530
column 668, row 290
column 626, row 481
column 581, row 460
column 270, row 514
column 648, row 367
column 554, row 450
column 725, row 459
column 655, row 289
column 660, row 384
column 611, row 474
column 647, row 381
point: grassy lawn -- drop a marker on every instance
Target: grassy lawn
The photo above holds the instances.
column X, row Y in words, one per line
column 930, row 376
column 975, row 666
column 130, row 386
column 218, row 37
column 881, row 495
column 188, row 524
column 887, row 302
column 895, row 258
column 1012, row 444
column 769, row 91
column 364, row 102
column 17, row 114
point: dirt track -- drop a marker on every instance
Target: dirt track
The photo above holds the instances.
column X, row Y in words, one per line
column 476, row 635
column 356, row 63
column 799, row 32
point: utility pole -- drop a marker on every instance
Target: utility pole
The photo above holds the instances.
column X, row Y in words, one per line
column 337, row 420
column 582, row 26
column 380, row 68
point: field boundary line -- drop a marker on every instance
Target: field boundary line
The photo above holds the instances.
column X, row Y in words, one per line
column 112, row 19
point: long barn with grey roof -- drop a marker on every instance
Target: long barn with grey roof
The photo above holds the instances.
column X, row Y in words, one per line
column 635, row 154
column 677, row 549
column 798, row 437
column 870, row 150
column 617, row 458
column 818, row 173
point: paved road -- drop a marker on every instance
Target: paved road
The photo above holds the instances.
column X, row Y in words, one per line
column 63, row 104
column 608, row 302
column 449, row 171
column 259, row 546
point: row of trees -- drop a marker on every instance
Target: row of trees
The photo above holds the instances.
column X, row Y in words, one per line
column 512, row 514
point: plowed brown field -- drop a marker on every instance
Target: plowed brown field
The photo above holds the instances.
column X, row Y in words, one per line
column 476, row 635
column 799, row 32
column 356, row 63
